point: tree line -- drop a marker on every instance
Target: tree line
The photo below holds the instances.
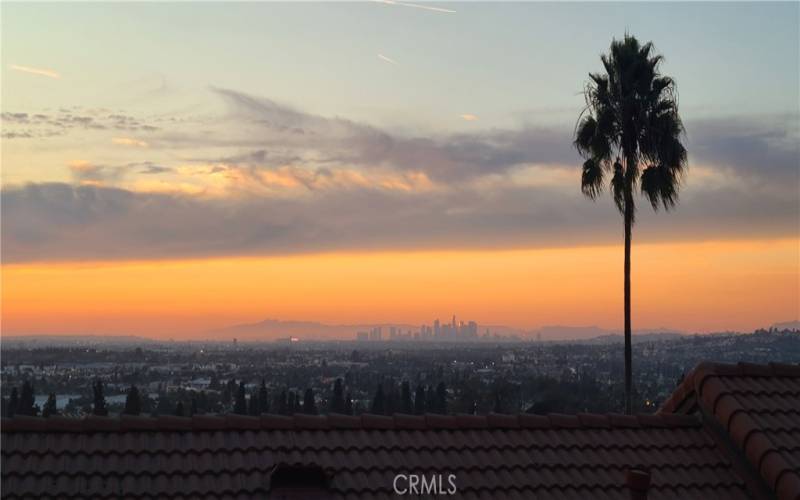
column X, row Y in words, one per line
column 389, row 398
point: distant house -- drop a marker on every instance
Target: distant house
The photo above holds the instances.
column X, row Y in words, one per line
column 727, row 432
column 198, row 384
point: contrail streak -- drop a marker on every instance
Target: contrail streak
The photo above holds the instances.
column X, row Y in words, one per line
column 417, row 6
column 36, row 71
column 387, row 59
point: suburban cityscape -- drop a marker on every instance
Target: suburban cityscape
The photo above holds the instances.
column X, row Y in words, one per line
column 81, row 376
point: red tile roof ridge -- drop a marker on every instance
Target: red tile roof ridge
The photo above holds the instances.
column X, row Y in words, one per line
column 693, row 382
column 374, row 448
column 525, row 491
column 454, row 468
column 712, row 386
column 128, row 423
column 501, row 491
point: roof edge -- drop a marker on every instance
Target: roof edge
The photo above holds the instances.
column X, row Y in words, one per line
column 707, row 390
column 128, row 423
column 692, row 384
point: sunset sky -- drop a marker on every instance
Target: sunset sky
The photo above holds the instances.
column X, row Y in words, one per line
column 172, row 168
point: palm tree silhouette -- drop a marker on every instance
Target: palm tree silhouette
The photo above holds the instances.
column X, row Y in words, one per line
column 631, row 130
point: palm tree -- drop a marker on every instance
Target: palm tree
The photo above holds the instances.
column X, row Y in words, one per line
column 630, row 130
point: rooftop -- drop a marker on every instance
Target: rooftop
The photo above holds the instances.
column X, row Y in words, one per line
column 729, row 431
column 757, row 407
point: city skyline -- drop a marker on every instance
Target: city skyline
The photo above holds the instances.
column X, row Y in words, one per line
column 452, row 331
column 419, row 161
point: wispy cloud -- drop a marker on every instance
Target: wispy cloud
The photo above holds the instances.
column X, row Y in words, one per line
column 387, row 59
column 417, row 6
column 469, row 117
column 129, row 141
column 294, row 137
column 87, row 173
column 64, row 120
column 153, row 169
column 36, row 71
column 267, row 178
column 333, row 142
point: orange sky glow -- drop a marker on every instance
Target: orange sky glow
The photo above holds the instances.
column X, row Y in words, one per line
column 696, row 287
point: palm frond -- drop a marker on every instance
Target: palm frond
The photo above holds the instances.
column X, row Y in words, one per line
column 659, row 183
column 592, row 178
column 584, row 135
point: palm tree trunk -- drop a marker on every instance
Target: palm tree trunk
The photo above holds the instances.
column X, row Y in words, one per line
column 628, row 361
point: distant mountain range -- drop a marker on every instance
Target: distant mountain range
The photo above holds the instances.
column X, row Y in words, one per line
column 600, row 335
column 274, row 329
column 271, row 329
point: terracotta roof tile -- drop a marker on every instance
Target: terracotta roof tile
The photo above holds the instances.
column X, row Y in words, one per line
column 310, row 422
column 377, row 422
column 502, row 421
column 471, row 421
column 497, row 456
column 758, row 408
column 529, row 421
column 337, row 421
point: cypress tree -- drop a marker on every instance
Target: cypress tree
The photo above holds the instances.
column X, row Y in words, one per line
column 348, row 405
column 229, row 391
column 193, row 408
column 419, row 400
column 13, row 403
column 99, row 400
column 163, row 407
column 309, row 406
column 390, row 399
column 27, row 399
column 253, row 405
column 406, row 405
column 498, row 406
column 203, row 404
column 337, row 401
column 50, row 409
column 378, row 403
column 263, row 398
column 441, row 398
column 179, row 409
column 240, row 406
column 281, row 403
column 430, row 400
column 133, row 402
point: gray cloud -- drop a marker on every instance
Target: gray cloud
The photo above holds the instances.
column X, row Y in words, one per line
column 40, row 125
column 762, row 149
column 150, row 168
column 83, row 172
column 757, row 196
column 755, row 148
column 257, row 158
column 449, row 158
column 31, row 134
column 64, row 222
